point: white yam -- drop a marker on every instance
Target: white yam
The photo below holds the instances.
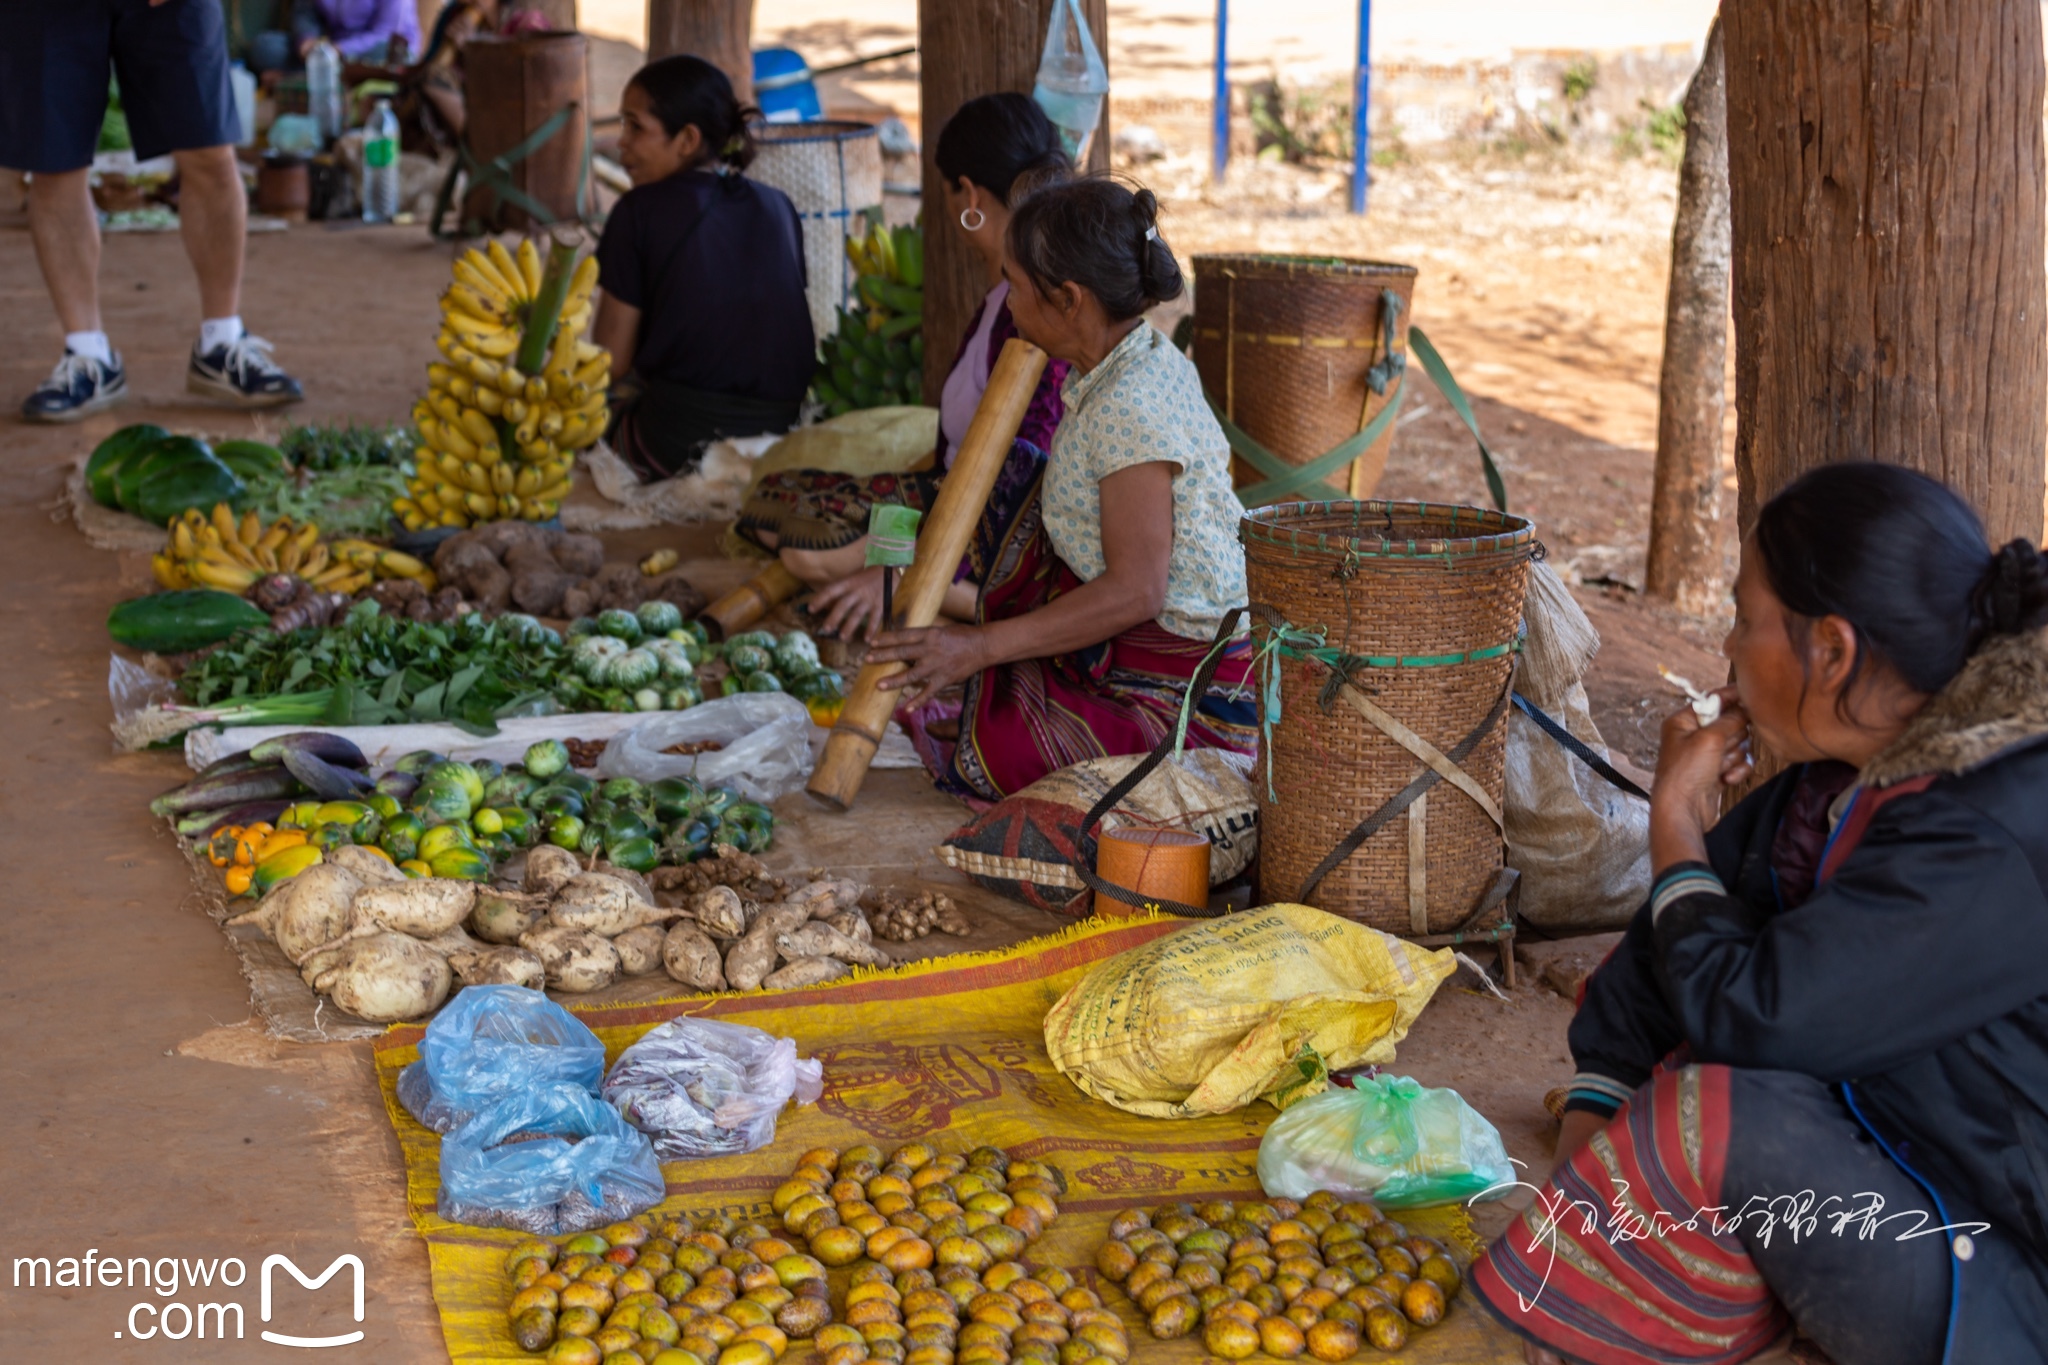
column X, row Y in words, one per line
column 385, row 977
column 853, row 924
column 549, row 869
column 824, row 899
column 500, row 966
column 421, row 908
column 575, row 960
column 373, row 869
column 720, row 912
column 451, row 943
column 806, row 971
column 604, row 905
column 639, row 949
column 311, row 909
column 502, row 916
column 818, row 939
column 692, row 958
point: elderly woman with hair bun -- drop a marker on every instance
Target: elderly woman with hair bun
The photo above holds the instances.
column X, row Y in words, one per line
column 1812, row 1085
column 1114, row 578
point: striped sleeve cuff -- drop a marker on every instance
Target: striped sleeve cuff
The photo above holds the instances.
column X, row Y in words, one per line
column 1590, row 1090
column 1689, row 879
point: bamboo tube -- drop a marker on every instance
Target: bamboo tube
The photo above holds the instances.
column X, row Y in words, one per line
column 851, row 747
column 750, row 601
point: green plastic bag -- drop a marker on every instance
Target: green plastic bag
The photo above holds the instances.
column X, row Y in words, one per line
column 1389, row 1139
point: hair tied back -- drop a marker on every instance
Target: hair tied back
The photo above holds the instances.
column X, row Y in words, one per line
column 2012, row 598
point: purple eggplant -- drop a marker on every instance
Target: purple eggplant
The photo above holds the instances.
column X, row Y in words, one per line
column 206, row 823
column 399, row 786
column 324, row 779
column 243, row 762
column 320, row 744
column 228, row 789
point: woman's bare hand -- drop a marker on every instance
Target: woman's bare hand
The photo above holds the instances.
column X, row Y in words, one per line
column 852, row 607
column 1694, row 764
column 939, row 656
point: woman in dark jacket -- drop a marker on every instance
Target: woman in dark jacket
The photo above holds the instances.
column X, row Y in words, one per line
column 702, row 276
column 1813, row 1077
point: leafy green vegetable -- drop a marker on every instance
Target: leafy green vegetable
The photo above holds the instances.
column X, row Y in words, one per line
column 328, row 448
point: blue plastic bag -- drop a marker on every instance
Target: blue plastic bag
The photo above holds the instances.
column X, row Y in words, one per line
column 1386, row 1138
column 490, row 1042
column 548, row 1159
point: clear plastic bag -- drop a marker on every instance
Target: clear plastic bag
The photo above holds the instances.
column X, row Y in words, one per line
column 702, row 1088
column 766, row 738
column 1387, row 1138
column 548, row 1159
column 490, row 1042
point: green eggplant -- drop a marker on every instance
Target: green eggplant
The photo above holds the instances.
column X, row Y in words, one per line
column 401, row 837
column 675, row 797
column 638, row 854
column 556, row 799
column 547, row 758
column 510, row 788
column 418, row 761
column 719, row 800
column 566, row 831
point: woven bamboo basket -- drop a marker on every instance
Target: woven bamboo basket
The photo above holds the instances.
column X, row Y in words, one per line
column 1284, row 345
column 1426, row 602
column 832, row 172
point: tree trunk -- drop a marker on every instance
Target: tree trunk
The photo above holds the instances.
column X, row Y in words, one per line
column 719, row 31
column 968, row 48
column 1885, row 174
column 1686, row 555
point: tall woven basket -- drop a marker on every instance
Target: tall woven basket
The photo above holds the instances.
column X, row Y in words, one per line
column 1419, row 606
column 1287, row 347
column 832, row 172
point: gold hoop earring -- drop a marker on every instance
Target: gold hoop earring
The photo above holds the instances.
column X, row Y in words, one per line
column 980, row 219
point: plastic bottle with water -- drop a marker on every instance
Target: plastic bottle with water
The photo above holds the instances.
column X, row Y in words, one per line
column 323, row 90
column 1072, row 81
column 380, row 164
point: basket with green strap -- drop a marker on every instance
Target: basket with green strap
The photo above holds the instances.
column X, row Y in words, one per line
column 1304, row 357
column 1386, row 637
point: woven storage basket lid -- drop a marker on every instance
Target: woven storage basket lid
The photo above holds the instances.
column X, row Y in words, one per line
column 832, row 172
column 1421, row 605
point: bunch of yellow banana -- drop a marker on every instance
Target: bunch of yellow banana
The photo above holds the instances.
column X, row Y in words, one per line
column 220, row 550
column 495, row 441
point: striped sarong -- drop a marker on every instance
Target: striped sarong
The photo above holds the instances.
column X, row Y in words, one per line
column 1628, row 1254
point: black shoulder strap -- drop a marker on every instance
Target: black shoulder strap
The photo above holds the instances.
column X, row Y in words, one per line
column 1576, row 747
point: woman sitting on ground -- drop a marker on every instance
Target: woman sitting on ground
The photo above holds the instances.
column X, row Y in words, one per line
column 994, row 151
column 701, row 277
column 1813, row 1077
column 1114, row 578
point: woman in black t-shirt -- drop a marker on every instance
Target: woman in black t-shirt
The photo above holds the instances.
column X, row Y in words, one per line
column 702, row 276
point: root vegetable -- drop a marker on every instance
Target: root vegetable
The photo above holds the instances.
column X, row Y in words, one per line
column 454, row 943
column 692, row 958
column 603, row 905
column 749, row 961
column 385, row 977
column 580, row 555
column 575, row 960
column 824, row 899
column 806, row 971
column 549, row 869
column 314, row 909
column 373, row 870
column 580, row 599
column 853, row 924
column 640, row 949
column 818, row 939
column 720, row 912
column 640, row 884
column 502, row 916
column 422, row 908
column 499, row 967
column 540, row 591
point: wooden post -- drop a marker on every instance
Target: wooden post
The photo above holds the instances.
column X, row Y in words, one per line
column 750, row 601
column 1686, row 552
column 1886, row 176
column 719, row 31
column 844, row 764
column 968, row 48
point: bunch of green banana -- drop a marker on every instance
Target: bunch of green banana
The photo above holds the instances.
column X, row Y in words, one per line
column 876, row 357
column 520, row 392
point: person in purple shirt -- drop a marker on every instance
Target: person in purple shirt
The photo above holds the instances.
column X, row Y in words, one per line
column 361, row 30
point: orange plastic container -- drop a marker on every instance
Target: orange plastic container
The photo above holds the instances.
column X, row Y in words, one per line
column 1166, row 864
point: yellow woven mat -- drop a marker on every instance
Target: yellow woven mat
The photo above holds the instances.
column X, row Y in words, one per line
column 951, row 1051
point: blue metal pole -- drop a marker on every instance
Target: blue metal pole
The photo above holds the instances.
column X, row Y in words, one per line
column 1361, row 109
column 1219, row 152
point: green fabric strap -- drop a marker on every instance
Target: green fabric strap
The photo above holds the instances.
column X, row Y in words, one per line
column 496, row 174
column 1440, row 375
column 1283, row 480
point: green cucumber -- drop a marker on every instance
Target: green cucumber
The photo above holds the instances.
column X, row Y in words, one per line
column 252, row 459
column 195, row 481
column 169, row 453
column 190, row 618
column 109, row 455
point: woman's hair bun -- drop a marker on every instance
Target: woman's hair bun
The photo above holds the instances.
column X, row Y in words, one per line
column 2012, row 597
column 1100, row 235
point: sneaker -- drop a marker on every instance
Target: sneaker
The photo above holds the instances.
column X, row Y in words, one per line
column 242, row 373
column 78, row 387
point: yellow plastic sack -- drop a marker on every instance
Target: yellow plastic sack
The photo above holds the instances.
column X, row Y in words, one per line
column 1259, row 1005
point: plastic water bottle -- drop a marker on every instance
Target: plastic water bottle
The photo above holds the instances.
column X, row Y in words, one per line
column 1072, row 81
column 380, row 164
column 323, row 89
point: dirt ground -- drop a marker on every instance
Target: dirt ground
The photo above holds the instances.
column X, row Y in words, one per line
column 150, row 1118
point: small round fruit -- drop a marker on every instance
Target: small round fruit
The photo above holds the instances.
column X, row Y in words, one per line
column 1386, row 1329
column 578, row 1322
column 1442, row 1272
column 1329, row 1340
column 1282, row 1338
column 1115, row 1261
column 838, row 1246
column 1230, row 1338
column 1423, row 1302
column 575, row 1351
column 1175, row 1317
column 534, row 1328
